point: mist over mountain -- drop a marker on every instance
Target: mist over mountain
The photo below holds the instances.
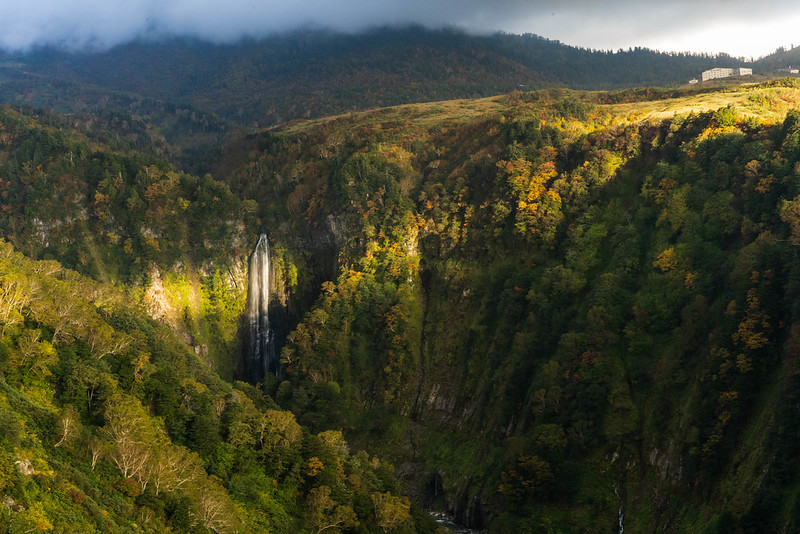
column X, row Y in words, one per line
column 709, row 26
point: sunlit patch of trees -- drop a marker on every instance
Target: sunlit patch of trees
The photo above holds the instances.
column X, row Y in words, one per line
column 151, row 434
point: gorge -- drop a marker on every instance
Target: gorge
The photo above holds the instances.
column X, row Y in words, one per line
column 539, row 312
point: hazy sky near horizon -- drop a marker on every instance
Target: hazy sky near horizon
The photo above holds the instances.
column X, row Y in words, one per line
column 733, row 26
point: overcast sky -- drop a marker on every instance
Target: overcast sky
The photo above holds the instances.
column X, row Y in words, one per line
column 739, row 27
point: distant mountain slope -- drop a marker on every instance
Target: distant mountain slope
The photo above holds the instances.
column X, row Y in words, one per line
column 781, row 59
column 317, row 73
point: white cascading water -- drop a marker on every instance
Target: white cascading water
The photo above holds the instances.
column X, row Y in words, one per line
column 261, row 347
column 621, row 512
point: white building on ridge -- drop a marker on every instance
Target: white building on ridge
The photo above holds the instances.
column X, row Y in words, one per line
column 720, row 72
column 716, row 73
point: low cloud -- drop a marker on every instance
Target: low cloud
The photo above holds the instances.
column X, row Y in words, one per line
column 98, row 24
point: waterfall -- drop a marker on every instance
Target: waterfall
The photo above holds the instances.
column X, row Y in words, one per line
column 260, row 358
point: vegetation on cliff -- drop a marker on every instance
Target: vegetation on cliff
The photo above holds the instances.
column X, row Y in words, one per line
column 542, row 308
column 553, row 309
column 112, row 421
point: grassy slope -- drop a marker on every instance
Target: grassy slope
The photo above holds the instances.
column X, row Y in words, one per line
column 768, row 101
column 768, row 104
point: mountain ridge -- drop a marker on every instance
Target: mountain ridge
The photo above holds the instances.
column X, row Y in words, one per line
column 379, row 67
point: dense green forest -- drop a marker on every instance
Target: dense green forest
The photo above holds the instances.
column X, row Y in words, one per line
column 113, row 422
column 554, row 311
column 549, row 311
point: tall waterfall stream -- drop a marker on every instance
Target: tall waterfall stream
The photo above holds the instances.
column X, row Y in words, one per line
column 261, row 354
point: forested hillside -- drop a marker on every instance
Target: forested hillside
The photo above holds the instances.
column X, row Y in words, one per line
column 551, row 311
column 111, row 421
column 193, row 93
